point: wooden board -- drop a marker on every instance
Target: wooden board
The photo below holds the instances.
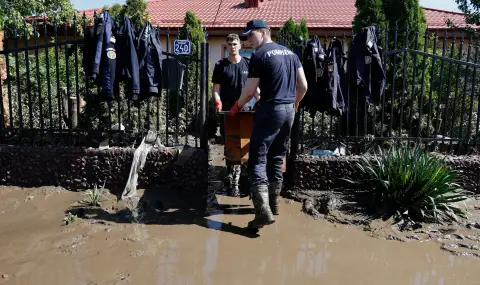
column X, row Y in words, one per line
column 238, row 130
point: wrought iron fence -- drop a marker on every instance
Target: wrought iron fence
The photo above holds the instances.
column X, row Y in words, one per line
column 431, row 96
column 47, row 98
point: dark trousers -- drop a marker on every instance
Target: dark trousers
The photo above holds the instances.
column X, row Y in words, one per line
column 269, row 141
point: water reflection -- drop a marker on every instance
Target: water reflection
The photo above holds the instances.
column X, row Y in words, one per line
column 263, row 267
column 168, row 271
column 211, row 244
column 427, row 277
column 292, row 254
column 311, row 261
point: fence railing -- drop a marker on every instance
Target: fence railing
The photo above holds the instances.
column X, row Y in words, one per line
column 48, row 99
column 431, row 96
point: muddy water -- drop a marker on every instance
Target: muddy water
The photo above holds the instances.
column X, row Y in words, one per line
column 35, row 248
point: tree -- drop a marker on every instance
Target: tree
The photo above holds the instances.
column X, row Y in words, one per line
column 401, row 18
column 135, row 10
column 292, row 32
column 13, row 12
column 369, row 13
column 116, row 11
column 472, row 10
column 192, row 30
column 406, row 13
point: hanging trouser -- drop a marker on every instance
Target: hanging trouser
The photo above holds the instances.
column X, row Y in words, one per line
column 268, row 147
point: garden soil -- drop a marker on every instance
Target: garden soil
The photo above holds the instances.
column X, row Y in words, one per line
column 154, row 239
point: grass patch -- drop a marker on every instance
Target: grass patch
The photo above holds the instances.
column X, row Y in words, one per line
column 70, row 218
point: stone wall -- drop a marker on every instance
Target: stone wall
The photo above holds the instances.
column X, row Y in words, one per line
column 311, row 172
column 79, row 168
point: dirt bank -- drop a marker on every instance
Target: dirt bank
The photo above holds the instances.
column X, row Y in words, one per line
column 343, row 207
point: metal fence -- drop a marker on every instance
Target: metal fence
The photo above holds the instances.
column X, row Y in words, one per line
column 431, row 97
column 48, row 100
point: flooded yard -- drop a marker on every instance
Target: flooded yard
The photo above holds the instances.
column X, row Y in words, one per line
column 178, row 247
column 47, row 236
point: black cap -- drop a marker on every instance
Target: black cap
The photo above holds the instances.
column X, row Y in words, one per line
column 251, row 26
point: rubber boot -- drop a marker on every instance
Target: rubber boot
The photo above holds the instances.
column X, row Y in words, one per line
column 234, row 186
column 274, row 190
column 263, row 214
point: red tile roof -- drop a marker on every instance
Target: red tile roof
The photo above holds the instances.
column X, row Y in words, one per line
column 322, row 14
column 436, row 18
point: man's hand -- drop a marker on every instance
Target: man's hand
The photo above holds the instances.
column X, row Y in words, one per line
column 296, row 106
column 218, row 105
column 216, row 94
column 235, row 109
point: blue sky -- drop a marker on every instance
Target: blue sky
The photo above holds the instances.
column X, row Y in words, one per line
column 87, row 4
column 449, row 5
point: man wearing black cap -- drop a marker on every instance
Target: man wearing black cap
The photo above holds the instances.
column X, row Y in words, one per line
column 280, row 76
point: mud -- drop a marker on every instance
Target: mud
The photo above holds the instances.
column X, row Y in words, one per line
column 342, row 207
column 157, row 238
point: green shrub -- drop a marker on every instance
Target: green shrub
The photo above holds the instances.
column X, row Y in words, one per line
column 411, row 184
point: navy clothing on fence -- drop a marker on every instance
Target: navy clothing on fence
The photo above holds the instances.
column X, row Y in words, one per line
column 276, row 66
column 232, row 78
column 366, row 64
column 314, row 59
column 127, row 67
column 333, row 101
column 100, row 58
column 149, row 52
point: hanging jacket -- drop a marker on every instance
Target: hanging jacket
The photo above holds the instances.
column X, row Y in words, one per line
column 149, row 51
column 314, row 66
column 366, row 61
column 127, row 68
column 100, row 58
column 332, row 100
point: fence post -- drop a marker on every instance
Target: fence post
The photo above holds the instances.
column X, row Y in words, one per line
column 4, row 107
column 294, row 139
column 3, row 118
column 203, row 95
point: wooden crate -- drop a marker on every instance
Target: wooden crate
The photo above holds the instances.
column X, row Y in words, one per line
column 237, row 137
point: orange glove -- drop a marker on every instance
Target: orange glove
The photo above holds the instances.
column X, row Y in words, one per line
column 235, row 109
column 218, row 105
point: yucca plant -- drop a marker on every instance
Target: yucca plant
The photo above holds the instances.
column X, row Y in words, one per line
column 411, row 184
column 95, row 196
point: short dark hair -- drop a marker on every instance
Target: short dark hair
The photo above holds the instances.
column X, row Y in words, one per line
column 232, row 37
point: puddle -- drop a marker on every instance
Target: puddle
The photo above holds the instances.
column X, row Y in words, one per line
column 182, row 249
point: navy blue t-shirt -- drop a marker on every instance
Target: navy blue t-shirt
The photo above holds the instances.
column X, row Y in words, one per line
column 232, row 78
column 276, row 66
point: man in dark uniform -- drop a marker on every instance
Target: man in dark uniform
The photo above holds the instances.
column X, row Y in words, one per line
column 280, row 76
column 229, row 77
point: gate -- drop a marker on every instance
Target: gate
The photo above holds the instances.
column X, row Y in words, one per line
column 48, row 100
